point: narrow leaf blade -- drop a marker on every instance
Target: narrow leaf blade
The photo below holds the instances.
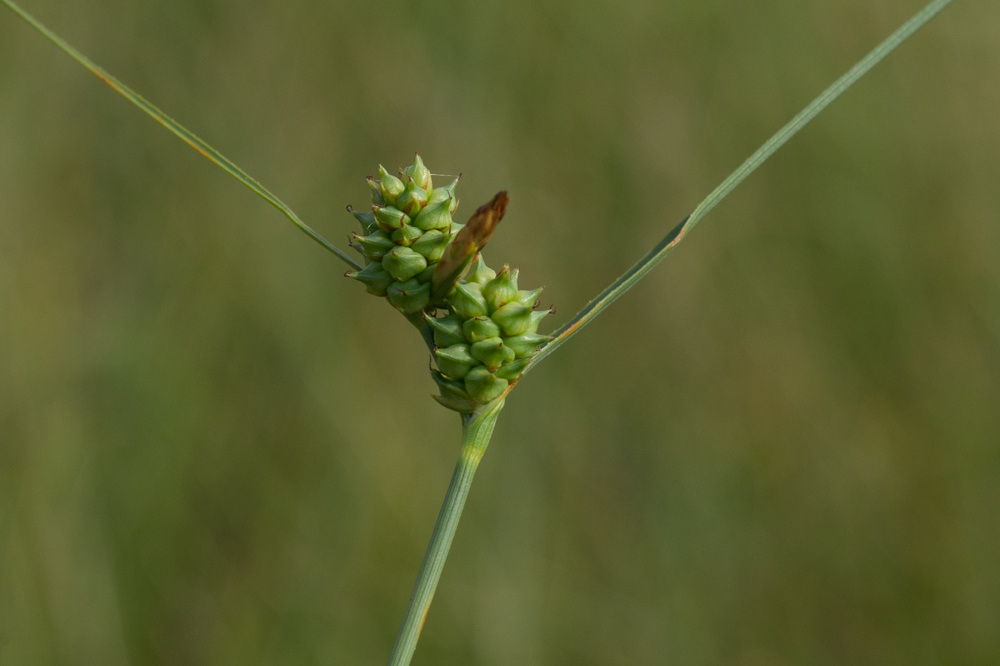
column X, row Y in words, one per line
column 179, row 130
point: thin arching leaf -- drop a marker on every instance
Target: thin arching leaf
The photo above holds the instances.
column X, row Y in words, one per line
column 186, row 135
column 678, row 233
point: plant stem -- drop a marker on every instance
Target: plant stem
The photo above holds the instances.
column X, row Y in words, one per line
column 476, row 433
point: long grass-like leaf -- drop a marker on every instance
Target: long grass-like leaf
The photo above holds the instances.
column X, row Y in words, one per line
column 186, row 135
column 666, row 246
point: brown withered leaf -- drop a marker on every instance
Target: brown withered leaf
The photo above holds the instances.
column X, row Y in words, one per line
column 469, row 241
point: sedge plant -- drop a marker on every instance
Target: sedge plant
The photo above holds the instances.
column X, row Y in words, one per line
column 481, row 328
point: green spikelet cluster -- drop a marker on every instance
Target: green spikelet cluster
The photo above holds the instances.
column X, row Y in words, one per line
column 405, row 235
column 485, row 338
column 486, row 329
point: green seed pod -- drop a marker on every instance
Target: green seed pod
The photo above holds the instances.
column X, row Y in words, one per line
column 451, row 388
column 420, row 174
column 367, row 220
column 512, row 371
column 529, row 299
column 432, row 245
column 483, row 386
column 374, row 277
column 377, row 198
column 390, row 186
column 455, row 361
column 406, row 236
column 426, row 274
column 412, row 200
column 439, row 194
column 447, row 330
column 375, row 244
column 434, row 216
column 480, row 328
column 389, row 218
column 403, row 263
column 501, row 290
column 526, row 344
column 492, row 353
column 480, row 272
column 409, row 296
column 467, row 300
column 536, row 318
column 512, row 318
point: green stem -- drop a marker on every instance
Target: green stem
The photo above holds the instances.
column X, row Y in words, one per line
column 476, row 434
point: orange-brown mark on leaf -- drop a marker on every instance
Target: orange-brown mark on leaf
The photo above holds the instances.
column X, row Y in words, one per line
column 423, row 618
column 470, row 240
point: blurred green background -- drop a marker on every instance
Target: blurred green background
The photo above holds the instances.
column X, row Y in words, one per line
column 783, row 447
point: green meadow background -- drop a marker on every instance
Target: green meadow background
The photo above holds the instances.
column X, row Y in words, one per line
column 782, row 447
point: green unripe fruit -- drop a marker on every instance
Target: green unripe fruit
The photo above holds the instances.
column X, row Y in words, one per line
column 409, row 296
column 512, row 318
column 501, row 290
column 484, row 386
column 492, row 353
column 406, row 235
column 427, row 274
column 439, row 194
column 480, row 328
column 467, row 300
column 389, row 218
column 367, row 219
column 403, row 263
column 432, row 245
column 512, row 371
column 420, row 174
column 455, row 361
column 412, row 200
column 375, row 244
column 390, row 186
column 536, row 318
column 435, row 216
column 526, row 344
column 453, row 394
column 377, row 197
column 480, row 272
column 447, row 330
column 374, row 277
column 529, row 299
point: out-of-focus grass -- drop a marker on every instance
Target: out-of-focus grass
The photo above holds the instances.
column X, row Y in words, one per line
column 207, row 455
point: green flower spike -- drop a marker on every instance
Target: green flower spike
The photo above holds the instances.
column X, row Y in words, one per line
column 453, row 394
